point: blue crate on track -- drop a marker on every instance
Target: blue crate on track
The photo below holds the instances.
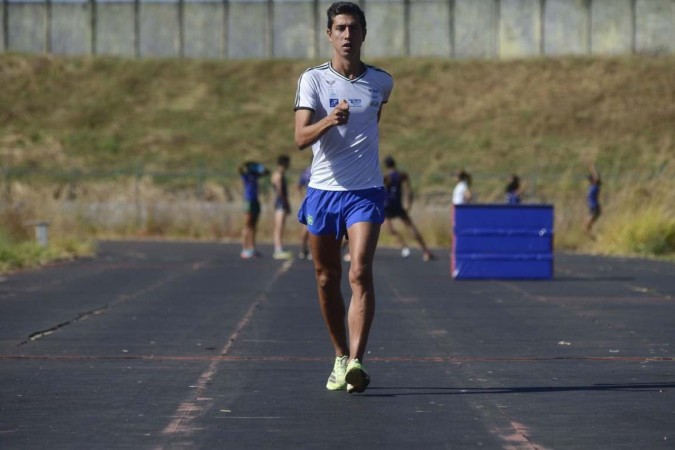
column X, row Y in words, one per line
column 502, row 241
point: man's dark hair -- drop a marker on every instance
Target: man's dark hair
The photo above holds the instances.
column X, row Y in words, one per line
column 283, row 160
column 389, row 162
column 349, row 8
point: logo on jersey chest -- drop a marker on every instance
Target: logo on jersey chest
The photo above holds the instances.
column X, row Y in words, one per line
column 371, row 98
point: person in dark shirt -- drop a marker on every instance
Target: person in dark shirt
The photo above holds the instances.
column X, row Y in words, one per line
column 514, row 190
column 593, row 197
column 396, row 205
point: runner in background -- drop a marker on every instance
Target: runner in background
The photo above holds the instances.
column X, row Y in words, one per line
column 396, row 206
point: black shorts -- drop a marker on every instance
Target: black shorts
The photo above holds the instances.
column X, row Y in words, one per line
column 394, row 212
column 594, row 211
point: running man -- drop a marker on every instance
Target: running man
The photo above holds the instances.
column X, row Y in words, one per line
column 399, row 191
column 337, row 110
column 282, row 207
column 250, row 171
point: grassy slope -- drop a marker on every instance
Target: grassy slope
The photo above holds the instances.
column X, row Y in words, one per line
column 543, row 118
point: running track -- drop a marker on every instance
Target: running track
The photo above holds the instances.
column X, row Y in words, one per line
column 184, row 345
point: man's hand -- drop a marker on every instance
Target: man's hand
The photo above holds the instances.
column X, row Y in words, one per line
column 340, row 114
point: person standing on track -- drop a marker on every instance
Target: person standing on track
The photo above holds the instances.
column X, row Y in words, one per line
column 250, row 171
column 461, row 194
column 282, row 207
column 303, row 181
column 337, row 111
column 514, row 190
column 593, row 198
column 399, row 191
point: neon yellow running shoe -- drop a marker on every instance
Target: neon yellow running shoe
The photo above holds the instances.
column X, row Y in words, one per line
column 336, row 381
column 356, row 377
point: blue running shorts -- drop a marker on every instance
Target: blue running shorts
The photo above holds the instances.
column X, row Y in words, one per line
column 332, row 212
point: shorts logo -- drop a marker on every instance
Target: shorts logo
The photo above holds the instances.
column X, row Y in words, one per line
column 310, row 220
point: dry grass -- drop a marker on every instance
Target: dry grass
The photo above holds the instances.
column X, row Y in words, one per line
column 545, row 119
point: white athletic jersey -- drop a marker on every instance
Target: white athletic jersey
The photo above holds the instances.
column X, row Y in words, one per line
column 459, row 193
column 346, row 157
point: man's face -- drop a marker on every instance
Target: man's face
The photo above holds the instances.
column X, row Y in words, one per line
column 346, row 35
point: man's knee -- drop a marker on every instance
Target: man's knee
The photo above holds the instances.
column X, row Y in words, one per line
column 360, row 275
column 327, row 277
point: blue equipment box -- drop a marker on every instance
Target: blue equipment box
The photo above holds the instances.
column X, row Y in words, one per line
column 502, row 241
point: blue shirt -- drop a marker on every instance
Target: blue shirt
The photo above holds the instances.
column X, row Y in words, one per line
column 593, row 194
column 250, row 180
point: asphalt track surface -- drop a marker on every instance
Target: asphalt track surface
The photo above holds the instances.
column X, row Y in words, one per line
column 184, row 345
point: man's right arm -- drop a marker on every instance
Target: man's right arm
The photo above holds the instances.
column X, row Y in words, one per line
column 308, row 132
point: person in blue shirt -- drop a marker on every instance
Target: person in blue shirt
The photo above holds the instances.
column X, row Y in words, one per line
column 593, row 197
column 249, row 172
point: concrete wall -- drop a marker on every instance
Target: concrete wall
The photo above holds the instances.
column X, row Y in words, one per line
column 520, row 28
column 566, row 25
column 654, row 26
column 296, row 28
column 115, row 29
column 70, row 31
column 204, row 30
column 26, row 27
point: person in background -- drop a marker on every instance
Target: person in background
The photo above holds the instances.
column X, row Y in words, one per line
column 593, row 197
column 513, row 190
column 461, row 194
column 250, row 171
column 303, row 181
column 396, row 205
column 282, row 207
column 338, row 106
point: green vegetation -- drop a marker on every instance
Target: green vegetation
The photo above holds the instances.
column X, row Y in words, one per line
column 82, row 130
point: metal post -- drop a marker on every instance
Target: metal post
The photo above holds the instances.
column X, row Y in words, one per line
column 48, row 27
column 406, row 27
column 137, row 28
column 542, row 27
column 316, row 51
column 5, row 25
column 93, row 22
column 181, row 28
column 589, row 27
column 633, row 19
column 226, row 27
column 498, row 20
column 451, row 27
column 269, row 30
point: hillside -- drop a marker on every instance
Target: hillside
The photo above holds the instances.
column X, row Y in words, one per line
column 545, row 119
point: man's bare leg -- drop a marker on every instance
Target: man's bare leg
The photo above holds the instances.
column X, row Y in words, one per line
column 363, row 238
column 328, row 268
